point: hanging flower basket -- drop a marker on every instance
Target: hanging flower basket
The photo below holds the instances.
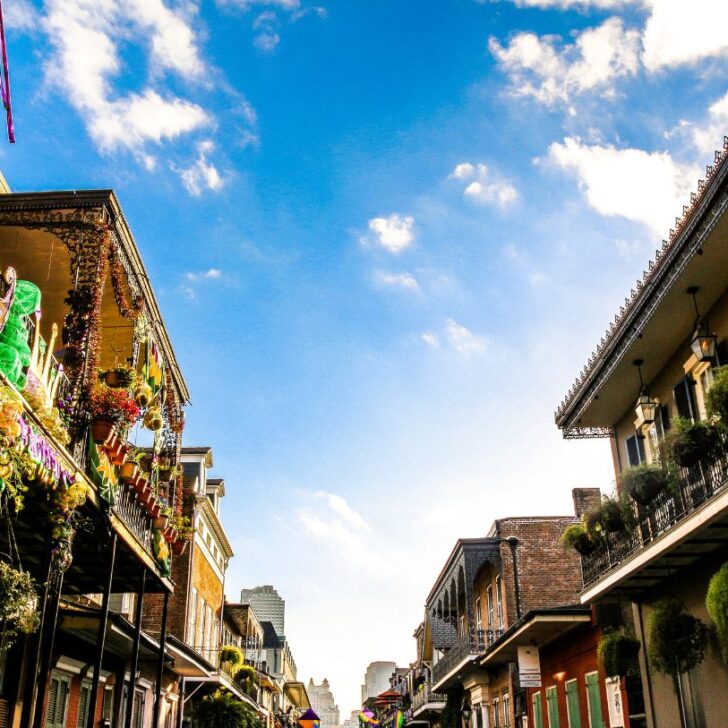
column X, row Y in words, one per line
column 102, row 430
column 643, row 483
column 575, row 537
column 121, row 377
column 617, row 653
column 689, row 443
column 716, row 600
column 18, row 613
column 677, row 639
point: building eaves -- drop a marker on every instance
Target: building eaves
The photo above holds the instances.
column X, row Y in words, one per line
column 635, row 311
column 216, row 525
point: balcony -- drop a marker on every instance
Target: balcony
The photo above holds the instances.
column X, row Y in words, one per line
column 427, row 699
column 669, row 525
column 465, row 649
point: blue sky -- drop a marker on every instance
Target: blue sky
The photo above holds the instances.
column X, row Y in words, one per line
column 385, row 236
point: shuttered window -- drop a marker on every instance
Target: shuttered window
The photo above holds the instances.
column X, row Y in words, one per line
column 552, row 706
column 57, row 701
column 83, row 705
column 635, row 450
column 594, row 701
column 573, row 711
column 107, row 711
column 537, row 710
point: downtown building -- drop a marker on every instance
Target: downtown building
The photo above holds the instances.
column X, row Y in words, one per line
column 323, row 703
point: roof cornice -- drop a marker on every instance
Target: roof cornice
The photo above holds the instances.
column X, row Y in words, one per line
column 216, row 525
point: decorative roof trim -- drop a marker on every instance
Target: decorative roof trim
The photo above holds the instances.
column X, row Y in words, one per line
column 670, row 260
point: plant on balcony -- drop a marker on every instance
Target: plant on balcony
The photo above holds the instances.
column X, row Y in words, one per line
column 716, row 401
column 247, row 678
column 232, row 657
column 119, row 377
column 113, row 405
column 18, row 613
column 153, row 419
column 644, row 482
column 610, row 516
column 576, row 537
column 223, row 710
column 617, row 652
column 716, row 600
column 687, row 443
column 677, row 639
column 143, row 393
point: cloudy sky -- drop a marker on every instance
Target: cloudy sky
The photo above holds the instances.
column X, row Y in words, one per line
column 386, row 235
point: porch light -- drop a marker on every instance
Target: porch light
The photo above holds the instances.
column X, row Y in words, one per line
column 646, row 407
column 466, row 712
column 704, row 343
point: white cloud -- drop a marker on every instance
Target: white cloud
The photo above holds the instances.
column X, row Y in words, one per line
column 342, row 508
column 266, row 29
column 210, row 274
column 431, row 339
column 84, row 36
column 680, row 32
column 565, row 4
column 641, row 186
column 398, row 280
column 482, row 187
column 201, row 174
column 708, row 136
column 20, row 15
column 462, row 340
column 393, row 233
column 540, row 67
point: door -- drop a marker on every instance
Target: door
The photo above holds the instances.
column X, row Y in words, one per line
column 552, row 706
column 573, row 709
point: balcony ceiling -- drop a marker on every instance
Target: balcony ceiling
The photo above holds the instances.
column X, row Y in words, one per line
column 669, row 327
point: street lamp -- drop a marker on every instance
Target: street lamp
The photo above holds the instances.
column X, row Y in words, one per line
column 466, row 711
column 646, row 407
column 704, row 342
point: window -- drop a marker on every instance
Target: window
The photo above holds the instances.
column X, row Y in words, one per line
column 461, row 628
column 489, row 597
column 499, row 600
column 573, row 711
column 552, row 706
column 84, row 697
column 685, row 399
column 537, row 710
column 478, row 615
column 57, row 701
column 635, row 449
column 107, row 710
column 506, row 710
column 138, row 709
column 192, row 624
column 496, row 714
column 594, row 700
column 200, row 631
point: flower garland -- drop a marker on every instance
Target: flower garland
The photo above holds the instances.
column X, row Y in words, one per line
column 128, row 309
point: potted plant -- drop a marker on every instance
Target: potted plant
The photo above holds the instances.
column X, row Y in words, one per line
column 170, row 533
column 129, row 472
column 118, row 377
column 687, row 443
column 232, row 656
column 161, row 521
column 179, row 546
column 108, row 409
column 153, row 419
column 644, row 482
column 677, row 639
column 18, row 613
column 617, row 653
column 607, row 517
column 154, row 508
column 716, row 401
column 716, row 600
column 576, row 537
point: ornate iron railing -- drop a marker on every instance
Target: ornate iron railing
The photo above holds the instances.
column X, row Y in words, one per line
column 422, row 697
column 131, row 512
column 694, row 486
column 474, row 643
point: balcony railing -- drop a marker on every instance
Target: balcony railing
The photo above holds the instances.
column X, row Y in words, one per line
column 422, row 697
column 133, row 514
column 695, row 486
column 475, row 643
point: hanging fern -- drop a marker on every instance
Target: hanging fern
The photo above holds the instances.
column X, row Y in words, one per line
column 716, row 601
column 617, row 653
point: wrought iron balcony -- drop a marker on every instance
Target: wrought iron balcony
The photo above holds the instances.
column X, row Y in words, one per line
column 474, row 643
column 426, row 696
column 133, row 514
column 695, row 486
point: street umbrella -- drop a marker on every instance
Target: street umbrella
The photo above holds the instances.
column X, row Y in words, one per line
column 309, row 720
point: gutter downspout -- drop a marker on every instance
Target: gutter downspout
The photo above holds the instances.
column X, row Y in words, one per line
column 512, row 541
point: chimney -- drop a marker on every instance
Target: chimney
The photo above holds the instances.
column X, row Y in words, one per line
column 585, row 499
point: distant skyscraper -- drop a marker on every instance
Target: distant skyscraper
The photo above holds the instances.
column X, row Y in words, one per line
column 267, row 605
column 352, row 721
column 376, row 679
column 322, row 701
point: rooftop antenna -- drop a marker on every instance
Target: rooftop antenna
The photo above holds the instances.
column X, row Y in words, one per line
column 5, row 80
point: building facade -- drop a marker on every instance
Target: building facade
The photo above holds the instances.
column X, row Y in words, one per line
column 269, row 606
column 376, row 679
column 323, row 703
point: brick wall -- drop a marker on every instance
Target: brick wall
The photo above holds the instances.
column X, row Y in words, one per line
column 548, row 574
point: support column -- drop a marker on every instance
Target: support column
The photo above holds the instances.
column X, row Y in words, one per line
column 101, row 636
column 41, row 677
column 135, row 652
column 157, row 716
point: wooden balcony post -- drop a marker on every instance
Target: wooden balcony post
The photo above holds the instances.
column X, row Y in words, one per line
column 135, row 652
column 157, row 716
column 101, row 635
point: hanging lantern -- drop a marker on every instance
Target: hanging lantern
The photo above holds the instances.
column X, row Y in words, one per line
column 646, row 407
column 704, row 343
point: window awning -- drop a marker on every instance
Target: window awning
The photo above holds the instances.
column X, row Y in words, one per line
column 187, row 663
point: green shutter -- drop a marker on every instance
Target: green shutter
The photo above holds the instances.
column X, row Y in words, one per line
column 572, row 704
column 57, row 699
column 594, row 700
column 83, row 699
column 537, row 710
column 552, row 705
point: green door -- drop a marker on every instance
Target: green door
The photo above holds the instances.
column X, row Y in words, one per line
column 572, row 704
column 552, row 705
column 537, row 710
column 594, row 701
